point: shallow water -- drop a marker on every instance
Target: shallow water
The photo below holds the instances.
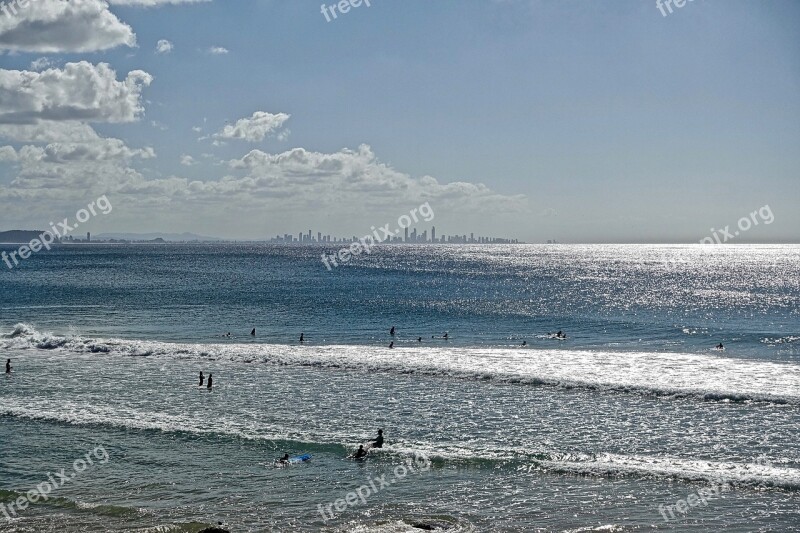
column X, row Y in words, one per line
column 603, row 431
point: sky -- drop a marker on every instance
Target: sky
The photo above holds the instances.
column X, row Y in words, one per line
column 581, row 121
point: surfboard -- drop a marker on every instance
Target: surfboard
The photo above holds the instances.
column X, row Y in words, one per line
column 297, row 459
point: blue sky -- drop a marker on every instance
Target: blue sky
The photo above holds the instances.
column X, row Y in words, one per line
column 599, row 121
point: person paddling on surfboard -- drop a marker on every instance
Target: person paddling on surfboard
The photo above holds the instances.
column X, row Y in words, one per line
column 284, row 459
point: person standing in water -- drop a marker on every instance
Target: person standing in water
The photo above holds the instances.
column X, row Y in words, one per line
column 8, row 366
column 391, row 331
column 360, row 453
column 391, row 344
column 378, row 443
column 253, row 333
column 302, row 337
column 202, row 379
column 210, row 381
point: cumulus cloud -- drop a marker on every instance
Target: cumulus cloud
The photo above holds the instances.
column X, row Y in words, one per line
column 164, row 46
column 79, row 92
column 187, row 160
column 55, row 26
column 255, row 128
column 48, row 131
column 217, row 50
column 41, row 63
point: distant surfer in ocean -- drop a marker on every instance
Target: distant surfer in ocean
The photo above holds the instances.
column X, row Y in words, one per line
column 391, row 344
column 419, row 339
column 720, row 346
column 302, row 339
column 284, row 460
column 210, row 381
column 202, row 378
column 8, row 366
column 524, row 343
column 253, row 333
column 391, row 331
column 446, row 336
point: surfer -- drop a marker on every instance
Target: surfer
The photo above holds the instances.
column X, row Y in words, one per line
column 360, row 453
column 720, row 346
column 419, row 339
column 391, row 331
column 285, row 459
column 391, row 344
column 524, row 343
column 378, row 443
column 8, row 366
column 302, row 339
column 210, row 381
column 202, row 378
column 446, row 336
column 253, row 333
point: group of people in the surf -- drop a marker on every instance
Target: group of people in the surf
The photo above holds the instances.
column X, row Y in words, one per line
column 203, row 380
column 393, row 332
column 361, row 453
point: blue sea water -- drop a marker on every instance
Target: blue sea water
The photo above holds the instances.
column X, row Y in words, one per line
column 607, row 430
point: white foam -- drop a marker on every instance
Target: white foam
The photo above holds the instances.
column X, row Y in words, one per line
column 706, row 376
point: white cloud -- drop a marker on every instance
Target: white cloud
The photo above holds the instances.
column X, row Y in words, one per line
column 255, row 128
column 187, row 160
column 48, row 131
column 164, row 46
column 217, row 50
column 78, row 92
column 42, row 63
column 55, row 26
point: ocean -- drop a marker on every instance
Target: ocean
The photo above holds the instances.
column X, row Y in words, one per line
column 633, row 422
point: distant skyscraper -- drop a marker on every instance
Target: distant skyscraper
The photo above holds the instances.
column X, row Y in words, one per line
column 433, row 234
column 88, row 237
column 405, row 238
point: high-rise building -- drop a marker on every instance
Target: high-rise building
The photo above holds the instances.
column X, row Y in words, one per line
column 433, row 233
column 88, row 237
column 405, row 236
